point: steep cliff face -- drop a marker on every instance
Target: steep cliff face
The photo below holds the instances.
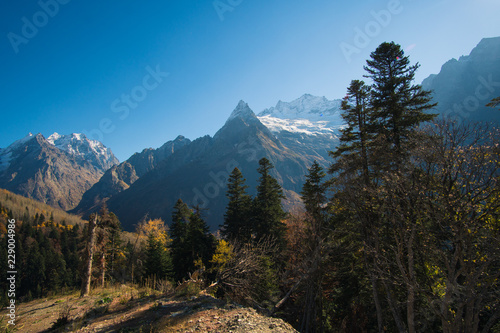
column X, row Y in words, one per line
column 463, row 87
column 120, row 177
column 43, row 170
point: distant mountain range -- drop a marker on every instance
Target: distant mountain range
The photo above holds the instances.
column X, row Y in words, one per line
column 78, row 174
column 56, row 171
column 197, row 171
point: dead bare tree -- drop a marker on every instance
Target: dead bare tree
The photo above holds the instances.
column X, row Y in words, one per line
column 89, row 252
column 241, row 277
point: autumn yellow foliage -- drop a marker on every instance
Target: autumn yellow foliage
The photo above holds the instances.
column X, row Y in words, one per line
column 223, row 254
column 157, row 228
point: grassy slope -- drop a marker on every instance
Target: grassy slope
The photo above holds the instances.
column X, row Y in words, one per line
column 18, row 204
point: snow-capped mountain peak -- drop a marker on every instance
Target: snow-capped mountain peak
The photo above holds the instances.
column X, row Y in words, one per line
column 242, row 110
column 82, row 148
column 309, row 107
column 76, row 145
column 55, row 136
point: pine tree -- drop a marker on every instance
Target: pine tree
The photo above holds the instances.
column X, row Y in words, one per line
column 357, row 136
column 178, row 233
column 314, row 197
column 41, row 219
column 200, row 243
column 314, row 191
column 158, row 261
column 237, row 217
column 191, row 240
column 114, row 241
column 267, row 209
column 398, row 105
column 180, row 219
column 108, row 226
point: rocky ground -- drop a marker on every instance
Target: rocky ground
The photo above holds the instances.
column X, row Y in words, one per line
column 126, row 309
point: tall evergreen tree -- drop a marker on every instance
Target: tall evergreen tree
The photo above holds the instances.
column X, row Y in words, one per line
column 314, row 197
column 398, row 105
column 200, row 242
column 114, row 242
column 158, row 260
column 314, row 192
column 191, row 240
column 357, row 165
column 357, row 136
column 41, row 219
column 108, row 227
column 178, row 233
column 237, row 217
column 180, row 219
column 381, row 120
column 97, row 241
column 267, row 209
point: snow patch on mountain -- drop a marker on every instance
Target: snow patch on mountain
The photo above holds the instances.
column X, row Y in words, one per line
column 303, row 126
column 82, row 148
column 6, row 153
column 311, row 115
column 77, row 144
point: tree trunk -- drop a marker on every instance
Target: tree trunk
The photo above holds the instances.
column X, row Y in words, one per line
column 103, row 268
column 394, row 309
column 410, row 310
column 112, row 257
column 87, row 276
column 376, row 299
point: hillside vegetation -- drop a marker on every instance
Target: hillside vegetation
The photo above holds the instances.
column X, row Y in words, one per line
column 23, row 207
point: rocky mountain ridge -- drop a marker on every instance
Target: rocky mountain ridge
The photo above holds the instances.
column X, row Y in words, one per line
column 463, row 87
column 119, row 177
column 37, row 168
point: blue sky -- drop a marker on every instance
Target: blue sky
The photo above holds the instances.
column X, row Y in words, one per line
column 137, row 74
